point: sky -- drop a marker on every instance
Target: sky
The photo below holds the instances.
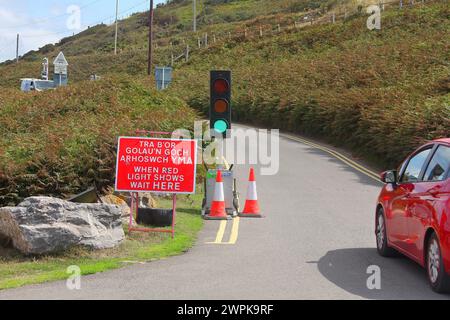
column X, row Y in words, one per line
column 41, row 22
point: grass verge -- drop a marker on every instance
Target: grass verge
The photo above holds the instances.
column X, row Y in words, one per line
column 17, row 270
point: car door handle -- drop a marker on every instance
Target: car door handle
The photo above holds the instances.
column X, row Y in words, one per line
column 434, row 191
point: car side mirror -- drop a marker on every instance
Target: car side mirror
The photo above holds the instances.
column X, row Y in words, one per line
column 389, row 177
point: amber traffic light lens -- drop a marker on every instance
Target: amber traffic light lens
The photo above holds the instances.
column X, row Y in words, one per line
column 221, row 86
column 220, row 106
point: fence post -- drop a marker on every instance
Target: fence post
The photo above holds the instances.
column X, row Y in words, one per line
column 260, row 31
column 187, row 53
column 199, row 42
column 206, row 39
column 172, row 61
column 245, row 33
column 279, row 28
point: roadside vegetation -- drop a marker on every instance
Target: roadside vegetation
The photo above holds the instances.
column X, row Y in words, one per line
column 378, row 93
column 61, row 142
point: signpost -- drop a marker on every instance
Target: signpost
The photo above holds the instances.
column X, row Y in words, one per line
column 60, row 74
column 44, row 73
column 163, row 76
column 156, row 165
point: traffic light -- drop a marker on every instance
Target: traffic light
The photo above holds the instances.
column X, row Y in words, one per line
column 220, row 109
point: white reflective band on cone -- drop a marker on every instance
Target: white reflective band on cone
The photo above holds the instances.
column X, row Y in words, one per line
column 251, row 191
column 218, row 192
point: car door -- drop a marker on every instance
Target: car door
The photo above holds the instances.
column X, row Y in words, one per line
column 409, row 177
column 424, row 200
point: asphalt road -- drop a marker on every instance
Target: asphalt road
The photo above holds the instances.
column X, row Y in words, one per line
column 315, row 242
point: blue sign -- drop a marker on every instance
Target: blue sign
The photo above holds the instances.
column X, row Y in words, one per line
column 163, row 77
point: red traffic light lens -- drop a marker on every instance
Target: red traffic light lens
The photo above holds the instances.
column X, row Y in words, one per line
column 221, row 86
column 220, row 106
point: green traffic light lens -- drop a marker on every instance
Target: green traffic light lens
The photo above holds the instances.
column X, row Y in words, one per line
column 220, row 126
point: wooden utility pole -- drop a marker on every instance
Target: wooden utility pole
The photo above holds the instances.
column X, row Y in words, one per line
column 117, row 26
column 150, row 40
column 17, row 49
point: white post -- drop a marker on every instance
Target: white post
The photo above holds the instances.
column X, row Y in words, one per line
column 17, row 49
column 195, row 16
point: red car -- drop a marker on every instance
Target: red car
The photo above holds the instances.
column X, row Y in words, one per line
column 413, row 212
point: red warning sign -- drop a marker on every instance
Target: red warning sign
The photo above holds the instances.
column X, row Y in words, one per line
column 156, row 165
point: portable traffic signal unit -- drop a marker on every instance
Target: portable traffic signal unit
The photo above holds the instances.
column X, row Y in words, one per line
column 220, row 109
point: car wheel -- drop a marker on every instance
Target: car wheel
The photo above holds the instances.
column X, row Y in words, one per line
column 381, row 234
column 438, row 278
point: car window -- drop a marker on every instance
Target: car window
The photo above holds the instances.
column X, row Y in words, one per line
column 414, row 167
column 439, row 165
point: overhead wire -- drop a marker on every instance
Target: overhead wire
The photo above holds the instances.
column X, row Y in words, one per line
column 88, row 24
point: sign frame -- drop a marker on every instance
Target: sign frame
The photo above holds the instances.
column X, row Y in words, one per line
column 195, row 158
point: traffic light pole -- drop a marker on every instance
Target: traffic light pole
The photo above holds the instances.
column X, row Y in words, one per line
column 150, row 40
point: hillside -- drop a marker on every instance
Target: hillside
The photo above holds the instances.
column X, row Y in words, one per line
column 91, row 51
column 379, row 93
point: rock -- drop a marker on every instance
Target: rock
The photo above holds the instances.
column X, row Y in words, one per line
column 42, row 225
column 123, row 206
column 114, row 200
column 147, row 200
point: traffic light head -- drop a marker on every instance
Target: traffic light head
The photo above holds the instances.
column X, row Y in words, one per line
column 220, row 108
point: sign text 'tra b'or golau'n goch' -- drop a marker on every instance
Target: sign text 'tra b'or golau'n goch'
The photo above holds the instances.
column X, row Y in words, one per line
column 156, row 165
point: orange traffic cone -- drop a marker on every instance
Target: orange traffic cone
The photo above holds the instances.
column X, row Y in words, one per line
column 251, row 208
column 217, row 211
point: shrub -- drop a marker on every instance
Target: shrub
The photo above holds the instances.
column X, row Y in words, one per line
column 63, row 141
